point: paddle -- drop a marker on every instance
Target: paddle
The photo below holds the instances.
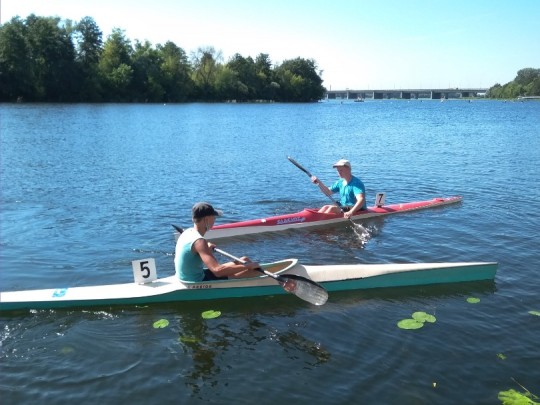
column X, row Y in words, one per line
column 302, row 287
column 355, row 225
column 177, row 228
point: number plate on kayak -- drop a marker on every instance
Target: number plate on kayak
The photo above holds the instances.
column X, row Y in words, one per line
column 144, row 271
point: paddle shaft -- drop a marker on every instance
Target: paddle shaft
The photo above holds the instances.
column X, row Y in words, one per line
column 237, row 259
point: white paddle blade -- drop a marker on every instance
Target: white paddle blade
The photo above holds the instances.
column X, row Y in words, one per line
column 307, row 291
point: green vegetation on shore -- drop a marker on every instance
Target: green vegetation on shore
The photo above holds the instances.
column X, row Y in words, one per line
column 47, row 59
column 526, row 84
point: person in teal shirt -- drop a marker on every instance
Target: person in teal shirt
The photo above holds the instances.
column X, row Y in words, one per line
column 194, row 259
column 351, row 190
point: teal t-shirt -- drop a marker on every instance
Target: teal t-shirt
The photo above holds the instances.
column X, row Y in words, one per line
column 188, row 265
column 349, row 191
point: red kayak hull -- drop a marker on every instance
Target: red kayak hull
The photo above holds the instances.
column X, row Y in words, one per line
column 310, row 217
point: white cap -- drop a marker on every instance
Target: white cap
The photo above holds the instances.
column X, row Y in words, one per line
column 342, row 162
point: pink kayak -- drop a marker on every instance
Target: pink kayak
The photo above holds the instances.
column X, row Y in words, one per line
column 309, row 217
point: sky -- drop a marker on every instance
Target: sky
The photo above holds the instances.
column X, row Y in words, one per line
column 357, row 44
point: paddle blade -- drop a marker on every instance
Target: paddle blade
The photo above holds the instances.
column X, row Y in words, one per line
column 177, row 228
column 304, row 288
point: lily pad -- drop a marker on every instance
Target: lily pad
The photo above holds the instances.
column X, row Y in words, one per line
column 162, row 323
column 211, row 314
column 410, row 324
column 473, row 300
column 537, row 313
column 67, row 350
column 512, row 397
column 423, row 317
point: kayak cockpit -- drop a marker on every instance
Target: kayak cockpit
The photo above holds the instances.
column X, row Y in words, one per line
column 278, row 267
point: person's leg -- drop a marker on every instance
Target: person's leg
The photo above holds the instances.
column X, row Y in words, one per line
column 329, row 209
column 325, row 209
column 209, row 276
column 334, row 210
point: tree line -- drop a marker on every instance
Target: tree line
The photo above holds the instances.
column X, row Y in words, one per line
column 47, row 59
column 526, row 83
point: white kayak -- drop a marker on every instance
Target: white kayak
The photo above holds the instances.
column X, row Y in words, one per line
column 334, row 277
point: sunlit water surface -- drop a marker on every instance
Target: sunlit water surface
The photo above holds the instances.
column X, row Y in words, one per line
column 86, row 189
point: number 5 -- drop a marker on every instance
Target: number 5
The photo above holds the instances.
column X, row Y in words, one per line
column 144, row 271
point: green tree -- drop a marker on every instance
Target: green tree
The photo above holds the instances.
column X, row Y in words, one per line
column 247, row 86
column 513, row 90
column 206, row 62
column 299, row 81
column 16, row 73
column 526, row 83
column 146, row 63
column 526, row 76
column 52, row 58
column 495, row 91
column 175, row 72
column 47, row 59
column 533, row 88
column 88, row 40
column 229, row 86
column 266, row 86
column 115, row 67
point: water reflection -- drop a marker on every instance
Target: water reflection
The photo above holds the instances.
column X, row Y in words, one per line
column 263, row 333
column 293, row 344
column 209, row 344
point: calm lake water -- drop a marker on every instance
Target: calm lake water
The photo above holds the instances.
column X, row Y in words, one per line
column 86, row 189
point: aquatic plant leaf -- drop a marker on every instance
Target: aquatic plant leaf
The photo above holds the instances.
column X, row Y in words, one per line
column 512, row 397
column 410, row 324
column 473, row 300
column 162, row 323
column 210, row 314
column 537, row 313
column 423, row 317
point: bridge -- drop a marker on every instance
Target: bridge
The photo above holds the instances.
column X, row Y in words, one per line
column 405, row 94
